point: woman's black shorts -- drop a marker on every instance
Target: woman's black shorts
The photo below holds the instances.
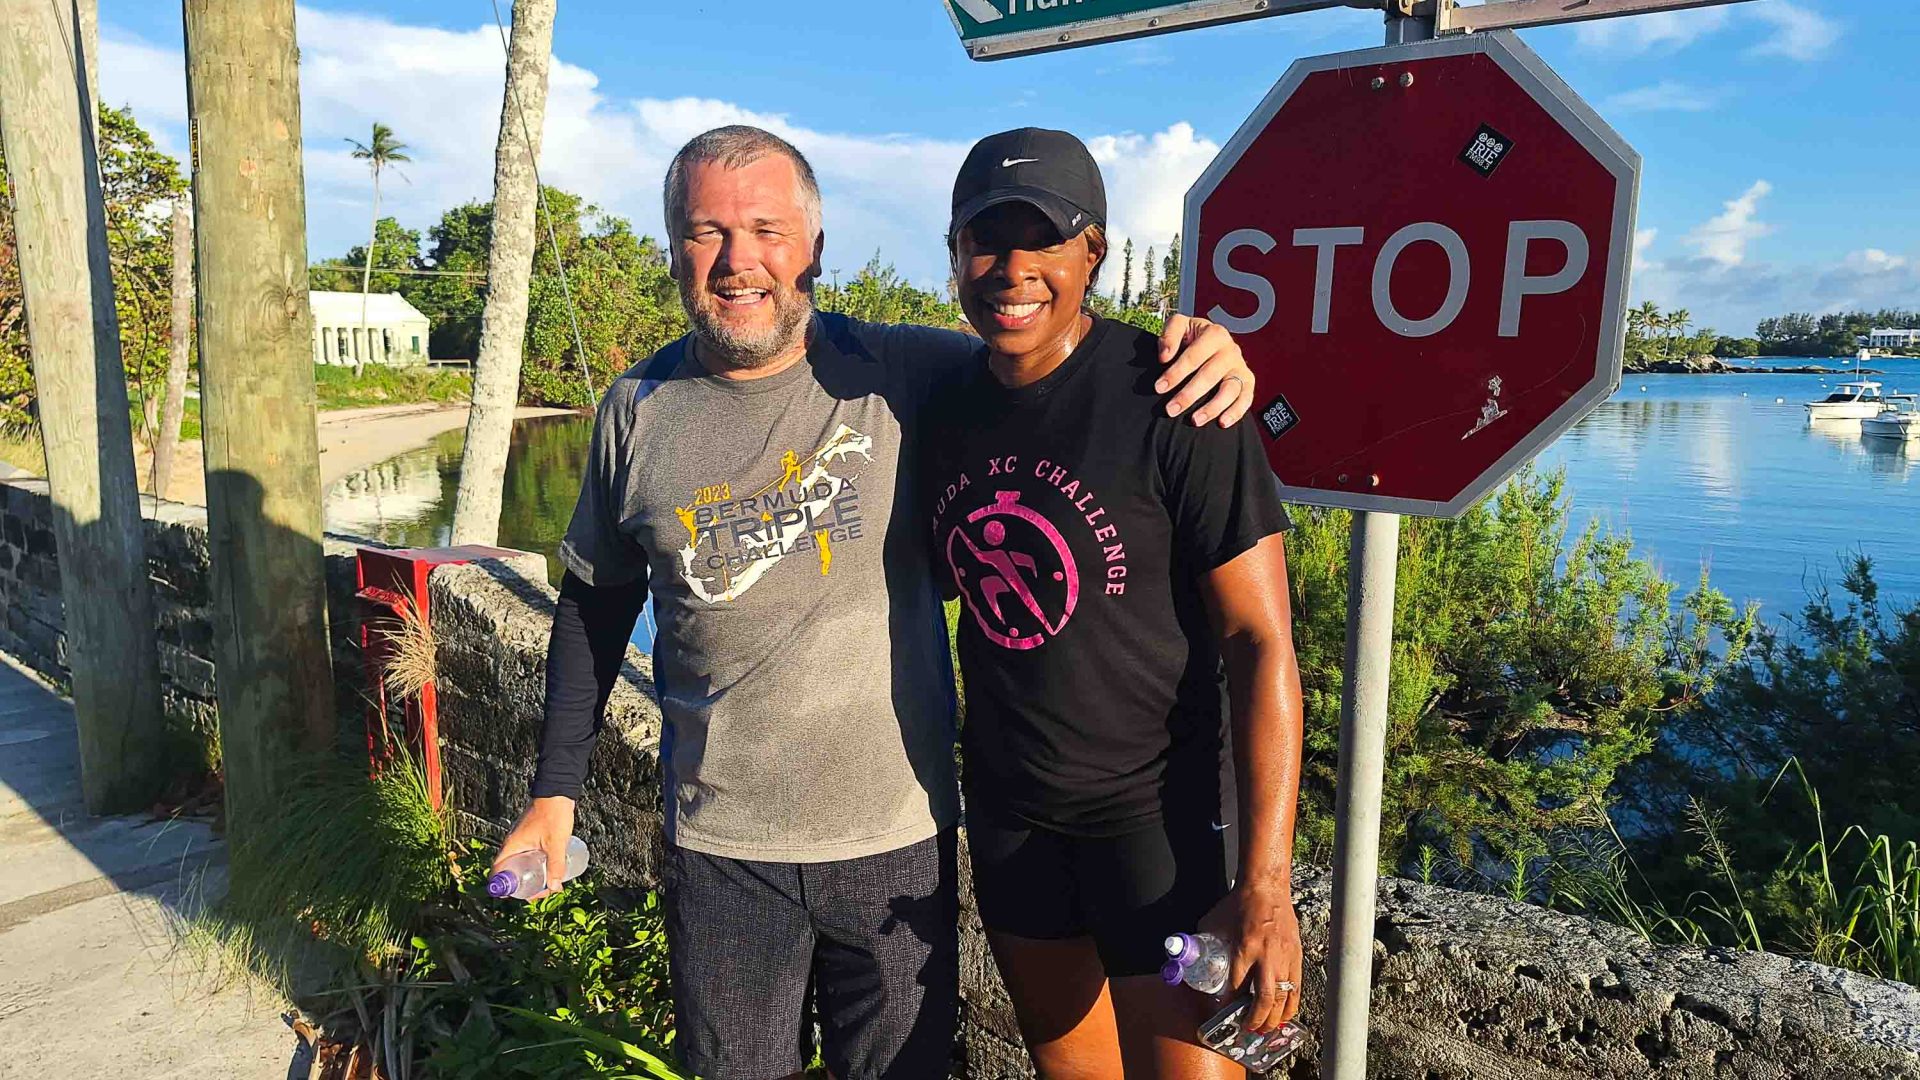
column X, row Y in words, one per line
column 1127, row 892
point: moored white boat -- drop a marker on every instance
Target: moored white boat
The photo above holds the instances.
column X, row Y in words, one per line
column 1900, row 419
column 1849, row 401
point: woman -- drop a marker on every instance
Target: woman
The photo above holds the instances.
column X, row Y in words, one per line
column 1110, row 563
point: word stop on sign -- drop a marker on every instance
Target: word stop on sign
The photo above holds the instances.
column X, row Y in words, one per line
column 1334, row 264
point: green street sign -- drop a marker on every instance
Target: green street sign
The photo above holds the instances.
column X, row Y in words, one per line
column 997, row 29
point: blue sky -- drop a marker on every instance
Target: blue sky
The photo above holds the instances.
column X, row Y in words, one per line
column 1781, row 162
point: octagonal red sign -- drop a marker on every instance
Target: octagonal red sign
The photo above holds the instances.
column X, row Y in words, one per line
column 1424, row 251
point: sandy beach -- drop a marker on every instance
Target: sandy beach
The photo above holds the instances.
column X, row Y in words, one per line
column 350, row 440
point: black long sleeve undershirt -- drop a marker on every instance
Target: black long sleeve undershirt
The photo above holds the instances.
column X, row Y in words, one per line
column 591, row 627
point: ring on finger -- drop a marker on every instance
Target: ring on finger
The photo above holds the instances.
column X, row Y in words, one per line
column 1284, row 986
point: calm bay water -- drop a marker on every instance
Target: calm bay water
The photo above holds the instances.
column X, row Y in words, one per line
column 1716, row 470
column 1726, row 472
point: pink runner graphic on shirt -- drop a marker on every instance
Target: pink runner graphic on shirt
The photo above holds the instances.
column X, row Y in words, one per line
column 1015, row 566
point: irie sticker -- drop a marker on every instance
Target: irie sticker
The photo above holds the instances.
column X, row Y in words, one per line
column 1278, row 417
column 1487, row 150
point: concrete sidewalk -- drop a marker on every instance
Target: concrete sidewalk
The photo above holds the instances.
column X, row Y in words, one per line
column 93, row 982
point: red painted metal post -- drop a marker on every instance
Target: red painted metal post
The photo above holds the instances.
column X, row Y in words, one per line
column 390, row 582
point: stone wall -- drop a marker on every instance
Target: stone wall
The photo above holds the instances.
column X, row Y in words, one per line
column 1467, row 987
column 33, row 628
column 490, row 623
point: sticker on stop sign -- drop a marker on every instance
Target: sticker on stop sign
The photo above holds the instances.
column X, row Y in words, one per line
column 1424, row 250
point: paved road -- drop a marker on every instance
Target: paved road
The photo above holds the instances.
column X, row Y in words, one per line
column 92, row 981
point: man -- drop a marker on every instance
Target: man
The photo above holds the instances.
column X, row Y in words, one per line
column 755, row 478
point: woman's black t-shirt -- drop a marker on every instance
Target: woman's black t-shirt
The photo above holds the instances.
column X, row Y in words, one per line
column 1074, row 520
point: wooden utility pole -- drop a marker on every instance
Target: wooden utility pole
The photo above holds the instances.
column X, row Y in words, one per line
column 46, row 120
column 503, row 324
column 256, row 395
column 174, row 405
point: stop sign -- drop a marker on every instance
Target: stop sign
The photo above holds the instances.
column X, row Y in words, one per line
column 1423, row 249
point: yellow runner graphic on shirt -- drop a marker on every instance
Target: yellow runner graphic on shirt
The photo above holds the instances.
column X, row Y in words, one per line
column 732, row 543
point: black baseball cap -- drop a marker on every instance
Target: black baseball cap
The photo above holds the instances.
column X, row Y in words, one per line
column 1052, row 170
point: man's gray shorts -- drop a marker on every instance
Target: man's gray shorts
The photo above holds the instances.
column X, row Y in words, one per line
column 875, row 938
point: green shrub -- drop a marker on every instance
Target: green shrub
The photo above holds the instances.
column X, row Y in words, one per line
column 377, row 384
column 568, row 985
column 1527, row 674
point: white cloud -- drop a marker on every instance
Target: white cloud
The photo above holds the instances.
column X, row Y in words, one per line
column 1147, row 180
column 144, row 77
column 1663, row 96
column 1643, row 242
column 1663, row 30
column 1798, row 33
column 1733, row 298
column 1733, row 294
column 1873, row 261
column 1724, row 238
column 440, row 91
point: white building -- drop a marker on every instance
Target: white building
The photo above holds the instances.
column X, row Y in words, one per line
column 1881, row 338
column 396, row 332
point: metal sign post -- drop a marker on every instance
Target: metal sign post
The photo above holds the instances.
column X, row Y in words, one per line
column 1373, row 563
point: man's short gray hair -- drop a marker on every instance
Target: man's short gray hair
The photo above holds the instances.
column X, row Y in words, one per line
column 734, row 146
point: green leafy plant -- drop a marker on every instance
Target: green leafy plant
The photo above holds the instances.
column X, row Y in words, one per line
column 568, row 985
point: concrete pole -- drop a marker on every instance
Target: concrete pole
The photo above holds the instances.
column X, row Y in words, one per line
column 256, row 395
column 74, row 335
column 174, row 407
column 1372, row 562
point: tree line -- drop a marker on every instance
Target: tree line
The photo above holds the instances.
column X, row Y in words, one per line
column 139, row 183
column 616, row 285
column 1832, row 334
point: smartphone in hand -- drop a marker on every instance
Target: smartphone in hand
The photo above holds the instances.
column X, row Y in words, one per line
column 1225, row 1033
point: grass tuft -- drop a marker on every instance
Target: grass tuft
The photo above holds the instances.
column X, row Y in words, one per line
column 334, row 874
column 337, row 387
column 410, row 664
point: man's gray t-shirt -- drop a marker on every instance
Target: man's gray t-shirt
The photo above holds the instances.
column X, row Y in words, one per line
column 800, row 658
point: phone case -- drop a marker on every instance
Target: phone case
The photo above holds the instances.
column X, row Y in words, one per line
column 1223, row 1035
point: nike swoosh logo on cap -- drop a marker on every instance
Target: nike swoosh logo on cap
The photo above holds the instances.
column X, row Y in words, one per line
column 1008, row 163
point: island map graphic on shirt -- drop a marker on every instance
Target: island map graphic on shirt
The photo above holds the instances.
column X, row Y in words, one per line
column 811, row 504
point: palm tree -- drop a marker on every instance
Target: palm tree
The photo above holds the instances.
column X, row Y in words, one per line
column 379, row 154
column 503, row 323
column 1679, row 320
column 1644, row 318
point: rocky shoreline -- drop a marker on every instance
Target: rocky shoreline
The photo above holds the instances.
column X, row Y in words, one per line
column 1713, row 365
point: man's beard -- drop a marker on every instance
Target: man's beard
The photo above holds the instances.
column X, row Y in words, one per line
column 741, row 349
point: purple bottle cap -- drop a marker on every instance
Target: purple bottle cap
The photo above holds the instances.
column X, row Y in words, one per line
column 1182, row 948
column 502, row 884
column 1172, row 972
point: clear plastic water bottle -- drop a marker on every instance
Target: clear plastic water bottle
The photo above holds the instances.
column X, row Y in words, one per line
column 1201, row 961
column 525, row 873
